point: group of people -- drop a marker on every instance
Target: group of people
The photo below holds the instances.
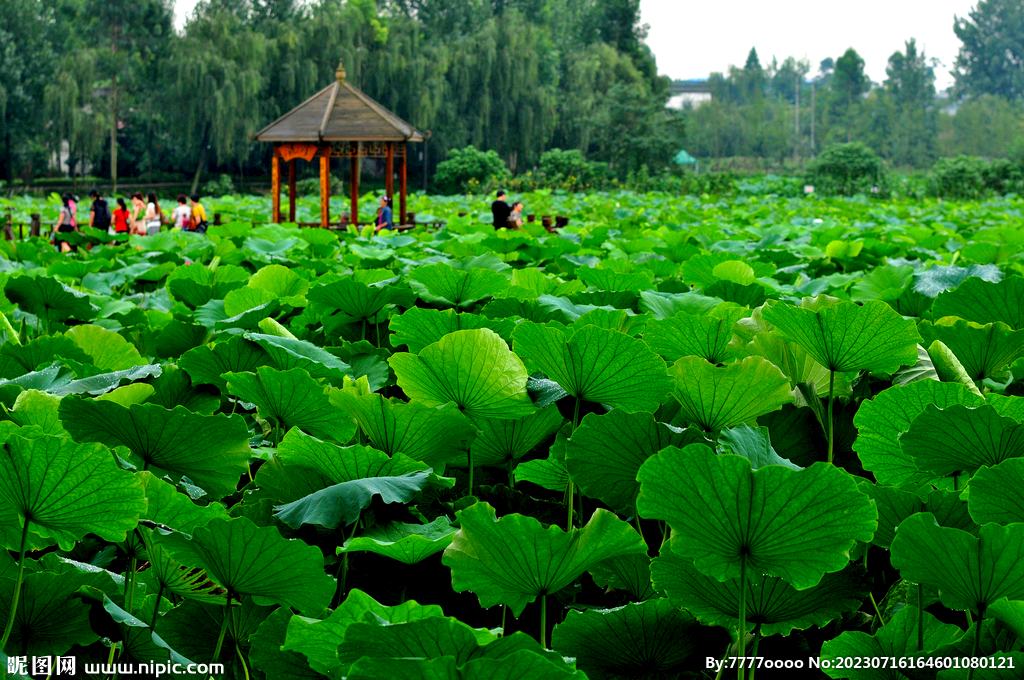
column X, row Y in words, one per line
column 144, row 217
column 506, row 216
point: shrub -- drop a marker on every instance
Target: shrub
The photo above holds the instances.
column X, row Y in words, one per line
column 970, row 178
column 469, row 168
column 222, row 186
column 847, row 170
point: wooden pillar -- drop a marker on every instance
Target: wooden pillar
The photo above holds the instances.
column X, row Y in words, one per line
column 401, row 183
column 389, row 182
column 291, row 190
column 275, row 186
column 354, row 189
column 325, row 186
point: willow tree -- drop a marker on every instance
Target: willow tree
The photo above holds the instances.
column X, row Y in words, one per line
column 216, row 71
column 72, row 109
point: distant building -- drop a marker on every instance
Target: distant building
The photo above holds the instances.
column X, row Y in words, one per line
column 689, row 93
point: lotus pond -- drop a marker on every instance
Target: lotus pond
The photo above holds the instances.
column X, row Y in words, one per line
column 678, row 430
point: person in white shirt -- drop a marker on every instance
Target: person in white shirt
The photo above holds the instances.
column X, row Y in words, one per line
column 181, row 218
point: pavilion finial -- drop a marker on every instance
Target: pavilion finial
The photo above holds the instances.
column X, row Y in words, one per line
column 340, row 73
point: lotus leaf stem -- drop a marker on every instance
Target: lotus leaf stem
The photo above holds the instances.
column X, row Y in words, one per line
column 977, row 641
column 743, row 616
column 753, row 649
column 831, row 426
column 129, row 584
column 223, row 629
column 17, row 587
column 544, row 621
column 878, row 612
column 920, row 617
column 156, row 607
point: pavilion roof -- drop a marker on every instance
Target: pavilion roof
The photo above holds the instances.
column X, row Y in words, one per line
column 340, row 112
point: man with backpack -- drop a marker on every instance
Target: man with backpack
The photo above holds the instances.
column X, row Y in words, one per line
column 99, row 214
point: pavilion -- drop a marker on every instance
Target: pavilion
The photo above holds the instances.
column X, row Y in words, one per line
column 339, row 121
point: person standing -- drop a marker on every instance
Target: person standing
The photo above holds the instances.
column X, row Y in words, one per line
column 198, row 219
column 122, row 217
column 99, row 213
column 138, row 222
column 385, row 215
column 65, row 223
column 500, row 210
column 154, row 216
column 515, row 218
column 181, row 218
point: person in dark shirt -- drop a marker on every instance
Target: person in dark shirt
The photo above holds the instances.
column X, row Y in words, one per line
column 500, row 210
column 99, row 214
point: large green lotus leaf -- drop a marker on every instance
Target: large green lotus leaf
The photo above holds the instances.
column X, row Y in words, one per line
column 598, row 365
column 948, row 368
column 418, row 327
column 205, row 365
column 243, row 299
column 407, row 543
column 107, row 350
column 99, row 384
column 267, row 656
column 997, row 493
column 212, row 451
column 771, row 602
column 665, row 306
column 291, row 399
column 943, row 442
column 341, row 504
column 50, row 619
column 17, row 360
column 548, row 473
column 473, row 368
column 706, row 336
column 445, row 284
column 48, row 298
column 279, row 280
column 896, row 504
column 247, row 320
column 720, row 397
column 33, row 407
column 514, row 560
column 318, row 640
column 700, row 269
column 607, row 279
column 504, row 442
column 754, row 444
column 881, row 420
column 797, row 525
column 982, row 350
column 356, row 301
column 177, row 337
column 67, row 490
column 606, row 451
column 170, row 576
column 938, row 279
column 984, row 302
column 631, row 573
column 288, row 353
column 434, row 434
column 191, row 284
column 305, row 464
column 523, row 663
column 168, row 506
column 885, row 283
column 174, row 388
column 429, row 638
column 970, row 572
column 250, row 560
column 898, row 639
column 845, row 336
column 796, row 363
column 651, row 639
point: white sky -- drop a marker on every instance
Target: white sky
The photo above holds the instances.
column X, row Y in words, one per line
column 691, row 39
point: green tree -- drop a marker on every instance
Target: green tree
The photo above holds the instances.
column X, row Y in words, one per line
column 131, row 37
column 988, row 126
column 72, row 108
column 991, row 58
column 849, row 83
column 911, row 84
